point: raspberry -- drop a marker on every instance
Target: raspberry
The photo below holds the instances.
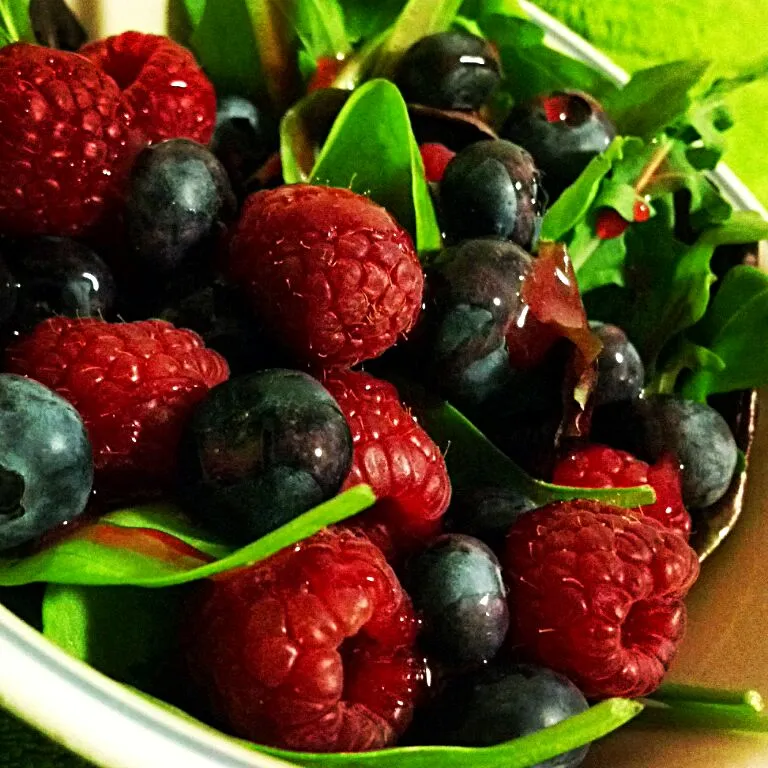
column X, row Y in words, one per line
column 169, row 93
column 597, row 594
column 435, row 158
column 133, row 384
column 397, row 458
column 331, row 273
column 598, row 466
column 66, row 143
column 312, row 649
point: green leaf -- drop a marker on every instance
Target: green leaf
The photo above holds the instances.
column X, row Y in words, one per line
column 15, row 24
column 103, row 553
column 371, row 150
column 742, row 227
column 365, row 20
column 195, row 9
column 320, row 28
column 683, row 356
column 655, row 98
column 605, row 262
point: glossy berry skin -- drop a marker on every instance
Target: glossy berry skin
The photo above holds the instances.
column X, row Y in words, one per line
column 398, row 459
column 505, row 701
column 310, row 650
column 242, row 140
column 56, row 276
column 597, row 594
column 46, row 465
column 621, row 373
column 133, row 384
column 179, row 201
column 694, row 433
column 598, row 466
column 493, row 189
column 449, row 70
column 435, row 158
column 78, row 143
column 563, row 131
column 457, row 589
column 332, row 274
column 162, row 83
column 260, row 450
column 487, row 512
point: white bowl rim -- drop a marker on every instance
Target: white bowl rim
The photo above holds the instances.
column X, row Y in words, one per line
column 113, row 727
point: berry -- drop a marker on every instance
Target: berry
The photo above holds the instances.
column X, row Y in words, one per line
column 243, row 139
column 397, row 458
column 312, row 649
column 77, row 142
column 262, row 449
column 331, row 273
column 598, row 466
column 161, row 81
column 506, row 701
column 133, row 384
column 620, row 370
column 563, row 131
column 449, row 70
column 486, row 512
column 694, row 433
column 456, row 587
column 179, row 200
column 596, row 593
column 435, row 158
column 46, row 466
column 493, row 189
column 327, row 70
column 610, row 224
column 57, row 276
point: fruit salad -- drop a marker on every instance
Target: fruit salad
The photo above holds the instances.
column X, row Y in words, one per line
column 373, row 379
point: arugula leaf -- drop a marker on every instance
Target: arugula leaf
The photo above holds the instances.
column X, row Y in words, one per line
column 371, row 150
column 15, row 23
column 683, row 356
column 602, row 261
column 103, row 553
column 741, row 227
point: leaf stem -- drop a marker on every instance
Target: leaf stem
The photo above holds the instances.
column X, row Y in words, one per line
column 12, row 33
column 671, row 693
column 694, row 714
column 658, row 157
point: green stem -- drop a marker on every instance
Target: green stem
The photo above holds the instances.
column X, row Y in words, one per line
column 701, row 715
column 672, row 693
column 7, row 18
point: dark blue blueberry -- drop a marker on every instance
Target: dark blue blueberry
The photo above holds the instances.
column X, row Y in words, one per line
column 696, row 434
column 243, row 139
column 492, row 189
column 449, row 70
column 620, row 370
column 506, row 701
column 179, row 199
column 46, row 465
column 486, row 512
column 456, row 586
column 262, row 449
column 563, row 131
column 58, row 276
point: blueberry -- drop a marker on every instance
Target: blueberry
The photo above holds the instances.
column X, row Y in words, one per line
column 492, row 189
column 449, row 70
column 563, row 131
column 486, row 512
column 179, row 198
column 696, row 434
column 456, row 586
column 260, row 450
column 506, row 701
column 58, row 276
column 620, row 370
column 243, row 139
column 46, row 465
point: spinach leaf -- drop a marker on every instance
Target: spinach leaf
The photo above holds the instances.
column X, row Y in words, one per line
column 320, row 28
column 194, row 10
column 365, row 20
column 371, row 150
column 15, row 23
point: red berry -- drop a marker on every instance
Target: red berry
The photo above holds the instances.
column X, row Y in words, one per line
column 312, row 649
column 598, row 466
column 134, row 384
column 397, row 458
column 332, row 274
column 641, row 211
column 436, row 158
column 610, row 224
column 597, row 594
column 328, row 68
column 66, row 143
column 169, row 93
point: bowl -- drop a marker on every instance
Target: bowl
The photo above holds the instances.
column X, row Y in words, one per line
column 725, row 646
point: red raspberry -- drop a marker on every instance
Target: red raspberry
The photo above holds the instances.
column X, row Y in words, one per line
column 598, row 466
column 597, row 593
column 330, row 271
column 170, row 95
column 312, row 649
column 134, row 385
column 66, row 143
column 397, row 458
column 436, row 158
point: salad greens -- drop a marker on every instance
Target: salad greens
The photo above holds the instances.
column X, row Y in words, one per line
column 15, row 22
